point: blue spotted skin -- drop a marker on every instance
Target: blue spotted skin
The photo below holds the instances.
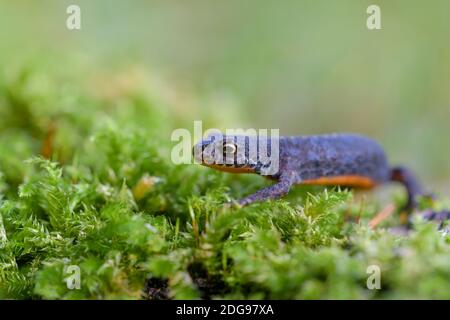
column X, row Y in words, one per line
column 310, row 159
column 313, row 157
column 334, row 159
column 349, row 159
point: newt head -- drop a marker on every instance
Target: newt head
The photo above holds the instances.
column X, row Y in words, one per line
column 234, row 153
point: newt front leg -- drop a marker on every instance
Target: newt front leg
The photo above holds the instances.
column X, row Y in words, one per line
column 275, row 191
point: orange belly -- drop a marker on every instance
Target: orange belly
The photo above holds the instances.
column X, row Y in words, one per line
column 349, row 181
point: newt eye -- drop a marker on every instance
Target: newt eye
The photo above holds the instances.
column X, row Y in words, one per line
column 229, row 148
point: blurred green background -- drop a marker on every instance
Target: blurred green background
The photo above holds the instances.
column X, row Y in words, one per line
column 305, row 67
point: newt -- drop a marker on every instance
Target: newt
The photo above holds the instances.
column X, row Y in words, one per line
column 349, row 160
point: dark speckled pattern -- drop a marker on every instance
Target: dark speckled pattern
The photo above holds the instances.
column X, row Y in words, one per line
column 313, row 157
column 308, row 158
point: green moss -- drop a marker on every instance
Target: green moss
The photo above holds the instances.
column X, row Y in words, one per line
column 111, row 202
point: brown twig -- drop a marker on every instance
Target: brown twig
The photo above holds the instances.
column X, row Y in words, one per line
column 382, row 215
column 47, row 148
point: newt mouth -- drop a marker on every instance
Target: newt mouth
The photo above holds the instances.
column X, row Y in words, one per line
column 230, row 168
